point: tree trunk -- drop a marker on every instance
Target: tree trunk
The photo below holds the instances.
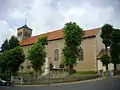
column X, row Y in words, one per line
column 40, row 71
column 107, row 67
column 115, row 66
column 36, row 72
column 70, row 69
column 106, row 49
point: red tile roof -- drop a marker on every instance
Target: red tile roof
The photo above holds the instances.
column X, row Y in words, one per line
column 58, row 34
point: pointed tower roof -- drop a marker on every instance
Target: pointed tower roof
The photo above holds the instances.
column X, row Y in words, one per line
column 26, row 27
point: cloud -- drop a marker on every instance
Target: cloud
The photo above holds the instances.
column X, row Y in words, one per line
column 47, row 15
column 6, row 31
column 16, row 14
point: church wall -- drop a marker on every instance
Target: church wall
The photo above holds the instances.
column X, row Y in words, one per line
column 99, row 47
column 99, row 44
column 89, row 58
column 50, row 49
column 89, row 50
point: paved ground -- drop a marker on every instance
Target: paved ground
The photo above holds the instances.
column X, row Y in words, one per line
column 107, row 84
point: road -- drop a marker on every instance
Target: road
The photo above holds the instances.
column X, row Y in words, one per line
column 107, row 84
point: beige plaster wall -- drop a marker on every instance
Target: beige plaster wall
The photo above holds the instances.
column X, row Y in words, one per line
column 89, row 59
column 99, row 44
column 50, row 49
column 89, row 49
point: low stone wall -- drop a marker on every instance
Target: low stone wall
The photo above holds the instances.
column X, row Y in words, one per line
column 60, row 80
column 116, row 72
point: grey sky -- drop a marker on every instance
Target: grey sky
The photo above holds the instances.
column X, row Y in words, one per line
column 48, row 15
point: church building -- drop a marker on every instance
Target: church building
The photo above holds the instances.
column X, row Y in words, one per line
column 91, row 47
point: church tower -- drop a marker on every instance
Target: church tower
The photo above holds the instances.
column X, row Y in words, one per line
column 24, row 32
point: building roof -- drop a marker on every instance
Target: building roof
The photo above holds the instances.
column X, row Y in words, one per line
column 103, row 52
column 25, row 26
column 58, row 34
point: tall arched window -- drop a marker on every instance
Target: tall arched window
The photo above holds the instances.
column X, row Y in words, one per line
column 56, row 55
column 80, row 54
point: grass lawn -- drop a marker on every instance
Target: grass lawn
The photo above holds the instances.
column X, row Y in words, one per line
column 85, row 73
column 59, row 73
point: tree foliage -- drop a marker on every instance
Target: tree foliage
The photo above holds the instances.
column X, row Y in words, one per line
column 105, row 59
column 11, row 57
column 106, row 32
column 115, row 47
column 43, row 40
column 115, row 36
column 5, row 46
column 17, row 58
column 37, row 54
column 13, row 42
column 9, row 44
column 115, row 53
column 73, row 36
column 11, row 60
column 111, row 37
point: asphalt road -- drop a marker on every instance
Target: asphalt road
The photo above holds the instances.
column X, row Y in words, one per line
column 107, row 84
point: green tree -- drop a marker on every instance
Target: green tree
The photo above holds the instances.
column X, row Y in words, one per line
column 4, row 57
column 106, row 32
column 115, row 36
column 5, row 46
column 11, row 57
column 3, row 66
column 73, row 36
column 13, row 42
column 9, row 44
column 105, row 59
column 17, row 57
column 111, row 37
column 43, row 40
column 115, row 47
column 37, row 55
column 11, row 60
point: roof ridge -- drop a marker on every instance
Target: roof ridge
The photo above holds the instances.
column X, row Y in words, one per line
column 60, row 30
column 47, row 33
column 92, row 29
column 51, row 31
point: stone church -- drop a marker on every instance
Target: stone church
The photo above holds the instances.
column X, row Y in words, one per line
column 91, row 47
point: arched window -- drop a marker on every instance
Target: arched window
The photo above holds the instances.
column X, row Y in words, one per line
column 56, row 55
column 80, row 54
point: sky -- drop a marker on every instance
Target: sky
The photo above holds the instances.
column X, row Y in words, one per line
column 49, row 15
